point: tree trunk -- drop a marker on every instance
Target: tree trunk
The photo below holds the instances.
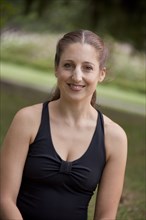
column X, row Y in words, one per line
column 27, row 6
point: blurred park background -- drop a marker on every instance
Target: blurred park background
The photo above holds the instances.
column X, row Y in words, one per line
column 30, row 30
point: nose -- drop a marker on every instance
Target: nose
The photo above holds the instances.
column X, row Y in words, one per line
column 77, row 75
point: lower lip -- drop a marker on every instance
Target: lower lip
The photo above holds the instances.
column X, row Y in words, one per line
column 76, row 88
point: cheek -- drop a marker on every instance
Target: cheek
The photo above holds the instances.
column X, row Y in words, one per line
column 92, row 79
column 62, row 76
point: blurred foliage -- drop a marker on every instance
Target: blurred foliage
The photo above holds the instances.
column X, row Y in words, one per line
column 124, row 20
column 8, row 11
column 31, row 28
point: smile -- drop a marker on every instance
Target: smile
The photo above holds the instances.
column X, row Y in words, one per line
column 75, row 87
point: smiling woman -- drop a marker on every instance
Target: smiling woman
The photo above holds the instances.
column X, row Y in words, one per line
column 85, row 42
column 78, row 72
column 56, row 153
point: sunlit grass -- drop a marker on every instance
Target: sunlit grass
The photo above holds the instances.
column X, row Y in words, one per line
column 45, row 80
column 27, row 75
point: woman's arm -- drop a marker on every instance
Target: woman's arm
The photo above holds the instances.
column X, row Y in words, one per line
column 111, row 185
column 13, row 156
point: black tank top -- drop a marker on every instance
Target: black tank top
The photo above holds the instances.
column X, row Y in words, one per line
column 54, row 189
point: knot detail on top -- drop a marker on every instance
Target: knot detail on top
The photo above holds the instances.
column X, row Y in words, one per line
column 65, row 167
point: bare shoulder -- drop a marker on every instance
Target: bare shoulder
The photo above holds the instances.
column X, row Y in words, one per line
column 113, row 130
column 29, row 112
column 26, row 121
column 115, row 138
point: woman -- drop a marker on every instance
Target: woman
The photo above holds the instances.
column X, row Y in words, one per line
column 56, row 153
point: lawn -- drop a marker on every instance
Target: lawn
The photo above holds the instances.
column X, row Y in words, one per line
column 111, row 95
column 133, row 203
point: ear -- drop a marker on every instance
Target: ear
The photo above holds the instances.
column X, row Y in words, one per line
column 102, row 74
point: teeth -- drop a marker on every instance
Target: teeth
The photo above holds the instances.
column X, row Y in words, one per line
column 76, row 87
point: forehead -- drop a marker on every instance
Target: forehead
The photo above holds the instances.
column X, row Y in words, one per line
column 84, row 52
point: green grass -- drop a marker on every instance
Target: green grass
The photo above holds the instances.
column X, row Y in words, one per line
column 133, row 203
column 44, row 80
column 27, row 75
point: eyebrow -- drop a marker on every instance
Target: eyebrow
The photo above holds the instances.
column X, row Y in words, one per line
column 68, row 61
column 86, row 62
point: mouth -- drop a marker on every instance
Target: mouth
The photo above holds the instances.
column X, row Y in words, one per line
column 75, row 87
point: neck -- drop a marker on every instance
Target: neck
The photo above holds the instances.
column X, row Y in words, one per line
column 75, row 112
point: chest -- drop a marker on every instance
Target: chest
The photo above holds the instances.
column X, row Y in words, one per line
column 71, row 142
column 66, row 156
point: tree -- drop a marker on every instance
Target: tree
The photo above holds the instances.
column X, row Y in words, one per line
column 124, row 20
column 41, row 6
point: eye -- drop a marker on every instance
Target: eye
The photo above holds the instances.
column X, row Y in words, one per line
column 88, row 68
column 67, row 65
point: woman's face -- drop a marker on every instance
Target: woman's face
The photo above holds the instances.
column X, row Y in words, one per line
column 78, row 71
